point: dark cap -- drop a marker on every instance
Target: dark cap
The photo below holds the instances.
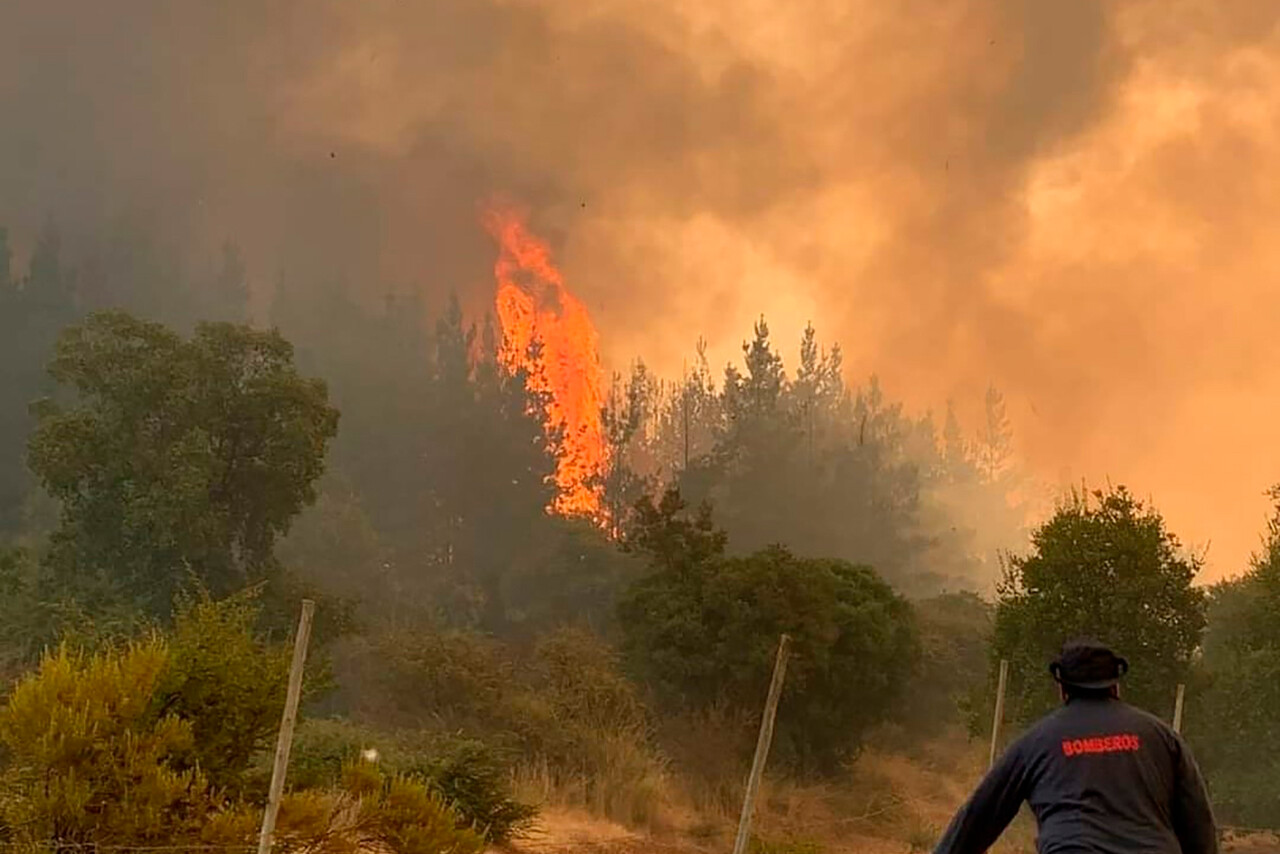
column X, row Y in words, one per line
column 1088, row 664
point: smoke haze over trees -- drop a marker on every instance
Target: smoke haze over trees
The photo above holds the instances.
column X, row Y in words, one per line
column 1037, row 178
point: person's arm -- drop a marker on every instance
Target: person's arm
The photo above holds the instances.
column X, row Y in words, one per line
column 993, row 805
column 1192, row 814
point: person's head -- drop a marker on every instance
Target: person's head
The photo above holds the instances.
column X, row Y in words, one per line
column 1087, row 669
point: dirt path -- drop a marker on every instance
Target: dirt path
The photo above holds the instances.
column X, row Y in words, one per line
column 565, row 832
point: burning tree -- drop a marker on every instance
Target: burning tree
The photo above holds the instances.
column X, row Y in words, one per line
column 548, row 334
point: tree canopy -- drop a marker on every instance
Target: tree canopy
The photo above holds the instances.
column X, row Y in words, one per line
column 1104, row 568
column 1233, row 719
column 175, row 457
column 703, row 630
column 799, row 458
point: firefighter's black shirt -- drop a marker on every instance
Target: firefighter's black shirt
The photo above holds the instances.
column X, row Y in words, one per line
column 1101, row 777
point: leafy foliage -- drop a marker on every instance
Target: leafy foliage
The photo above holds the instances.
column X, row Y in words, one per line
column 798, row 458
column 141, row 744
column 790, row 454
column 432, row 678
column 469, row 775
column 1233, row 716
column 227, row 682
column 23, row 623
column 1106, row 569
column 367, row 810
column 93, row 759
column 476, row 782
column 703, row 632
column 564, row 706
column 177, row 456
column 403, row 813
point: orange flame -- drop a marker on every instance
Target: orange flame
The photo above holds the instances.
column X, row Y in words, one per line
column 533, row 305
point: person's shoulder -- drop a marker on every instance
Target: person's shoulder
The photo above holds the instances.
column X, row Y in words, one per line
column 1048, row 729
column 1143, row 717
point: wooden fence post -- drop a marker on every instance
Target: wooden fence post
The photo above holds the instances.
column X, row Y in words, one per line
column 998, row 718
column 1177, row 707
column 762, row 746
column 285, row 739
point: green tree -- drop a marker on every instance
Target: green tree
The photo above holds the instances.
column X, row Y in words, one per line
column 673, row 539
column 489, row 470
column 702, row 632
column 625, row 414
column 23, row 621
column 1107, row 569
column 1233, row 715
column 177, row 457
column 803, row 461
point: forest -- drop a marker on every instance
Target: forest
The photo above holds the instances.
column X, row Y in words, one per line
column 178, row 471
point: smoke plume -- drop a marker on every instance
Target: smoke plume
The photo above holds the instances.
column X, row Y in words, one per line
column 1070, row 200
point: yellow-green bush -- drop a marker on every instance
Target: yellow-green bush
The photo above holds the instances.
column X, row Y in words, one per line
column 92, row 757
column 104, row 748
column 474, row 778
column 227, row 682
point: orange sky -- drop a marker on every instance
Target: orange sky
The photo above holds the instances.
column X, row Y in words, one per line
column 1072, row 200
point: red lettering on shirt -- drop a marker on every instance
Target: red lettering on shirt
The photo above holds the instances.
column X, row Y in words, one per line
column 1119, row 743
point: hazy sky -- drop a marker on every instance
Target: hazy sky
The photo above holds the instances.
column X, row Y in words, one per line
column 1072, row 200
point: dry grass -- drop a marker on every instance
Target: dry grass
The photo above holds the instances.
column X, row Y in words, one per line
column 885, row 804
column 625, row 782
column 1252, row 843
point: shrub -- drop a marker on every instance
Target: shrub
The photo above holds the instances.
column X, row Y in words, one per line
column 94, row 758
column 567, row 706
column 431, row 678
column 367, row 811
column 580, row 679
column 596, row 743
column 706, row 633
column 21, row 618
column 476, row 782
column 404, row 814
column 227, row 682
column 99, row 757
column 473, row 778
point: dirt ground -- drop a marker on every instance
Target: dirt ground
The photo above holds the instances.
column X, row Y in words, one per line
column 567, row 832
column 1258, row 843
column 571, row 832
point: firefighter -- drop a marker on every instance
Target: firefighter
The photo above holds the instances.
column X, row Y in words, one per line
column 1100, row 776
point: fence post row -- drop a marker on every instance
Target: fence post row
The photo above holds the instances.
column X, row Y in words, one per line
column 1178, row 705
column 285, row 739
column 762, row 746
